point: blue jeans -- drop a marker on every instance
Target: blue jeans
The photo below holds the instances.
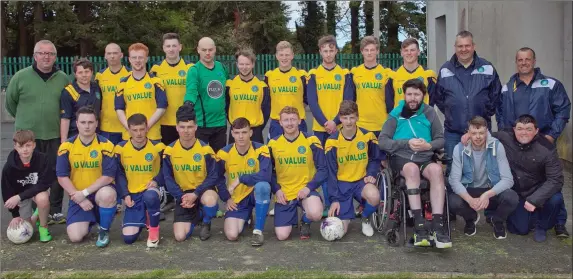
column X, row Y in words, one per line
column 546, row 216
column 452, row 139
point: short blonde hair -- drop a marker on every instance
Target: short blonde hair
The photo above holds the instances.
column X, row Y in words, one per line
column 283, row 45
column 369, row 40
column 289, row 110
column 246, row 52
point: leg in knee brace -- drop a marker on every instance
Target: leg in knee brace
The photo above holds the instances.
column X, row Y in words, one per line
column 413, row 192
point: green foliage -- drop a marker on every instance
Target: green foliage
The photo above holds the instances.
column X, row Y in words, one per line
column 311, row 26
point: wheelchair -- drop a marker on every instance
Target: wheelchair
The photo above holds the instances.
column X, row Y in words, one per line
column 393, row 215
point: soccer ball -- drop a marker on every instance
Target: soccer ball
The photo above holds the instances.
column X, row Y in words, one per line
column 20, row 234
column 332, row 228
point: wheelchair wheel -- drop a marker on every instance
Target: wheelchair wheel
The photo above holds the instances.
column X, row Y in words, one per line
column 380, row 217
column 393, row 237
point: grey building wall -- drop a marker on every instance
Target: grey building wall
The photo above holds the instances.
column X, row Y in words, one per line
column 502, row 27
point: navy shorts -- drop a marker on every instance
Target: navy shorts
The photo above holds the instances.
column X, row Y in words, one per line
column 76, row 214
column 244, row 208
column 136, row 216
column 115, row 138
column 348, row 192
column 286, row 215
column 276, row 130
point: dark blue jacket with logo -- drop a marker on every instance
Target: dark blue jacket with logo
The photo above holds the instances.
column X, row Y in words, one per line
column 464, row 93
column 548, row 103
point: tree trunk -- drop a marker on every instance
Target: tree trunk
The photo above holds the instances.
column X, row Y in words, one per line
column 368, row 9
column 393, row 28
column 3, row 29
column 354, row 22
column 22, row 33
column 84, row 18
column 38, row 19
column 331, row 17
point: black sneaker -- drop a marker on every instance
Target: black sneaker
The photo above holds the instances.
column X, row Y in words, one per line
column 305, row 231
column 205, row 231
column 470, row 228
column 258, row 239
column 499, row 230
column 441, row 238
column 422, row 238
column 561, row 231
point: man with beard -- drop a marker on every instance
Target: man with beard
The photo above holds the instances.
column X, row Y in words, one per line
column 411, row 135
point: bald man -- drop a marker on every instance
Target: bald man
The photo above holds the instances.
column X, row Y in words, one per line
column 108, row 79
column 206, row 90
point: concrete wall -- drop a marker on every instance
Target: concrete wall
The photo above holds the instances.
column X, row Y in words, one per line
column 499, row 29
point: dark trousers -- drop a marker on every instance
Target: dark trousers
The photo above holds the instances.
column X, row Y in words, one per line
column 216, row 137
column 256, row 137
column 451, row 140
column 545, row 217
column 168, row 134
column 50, row 148
column 500, row 206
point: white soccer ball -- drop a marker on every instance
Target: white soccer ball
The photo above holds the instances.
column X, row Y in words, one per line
column 20, row 234
column 332, row 228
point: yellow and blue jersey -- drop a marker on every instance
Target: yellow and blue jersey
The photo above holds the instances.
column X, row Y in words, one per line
column 297, row 164
column 73, row 98
column 108, row 82
column 173, row 77
column 137, row 166
column 144, row 96
column 187, row 169
column 250, row 168
column 248, row 99
column 85, row 163
column 400, row 76
column 326, row 89
column 369, row 86
column 350, row 160
column 287, row 89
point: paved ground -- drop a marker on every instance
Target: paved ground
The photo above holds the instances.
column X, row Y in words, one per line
column 478, row 254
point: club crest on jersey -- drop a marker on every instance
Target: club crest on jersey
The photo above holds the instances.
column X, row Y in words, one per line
column 93, row 154
column 148, row 157
column 481, row 69
column 292, row 79
column 255, row 88
column 251, row 162
column 378, row 76
column 181, row 73
column 544, row 82
column 421, row 78
column 337, row 77
column 147, row 85
column 301, row 149
column 98, row 95
column 360, row 145
column 197, row 157
column 215, row 89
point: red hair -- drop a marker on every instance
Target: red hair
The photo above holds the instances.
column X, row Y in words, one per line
column 138, row 46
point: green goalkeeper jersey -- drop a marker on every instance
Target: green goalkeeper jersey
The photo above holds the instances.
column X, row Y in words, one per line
column 206, row 90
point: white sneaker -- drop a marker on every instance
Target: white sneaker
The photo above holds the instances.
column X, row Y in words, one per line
column 272, row 212
column 367, row 229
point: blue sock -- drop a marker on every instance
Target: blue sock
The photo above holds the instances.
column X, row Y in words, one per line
column 324, row 187
column 368, row 210
column 262, row 203
column 190, row 231
column 210, row 213
column 304, row 219
column 106, row 215
column 152, row 203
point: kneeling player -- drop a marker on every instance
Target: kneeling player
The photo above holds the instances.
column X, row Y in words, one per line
column 190, row 174
column 352, row 159
column 248, row 168
column 26, row 177
column 299, row 168
column 138, row 179
column 85, row 169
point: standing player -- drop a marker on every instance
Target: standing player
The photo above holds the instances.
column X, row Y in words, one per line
column 108, row 80
column 299, row 168
column 205, row 87
column 247, row 166
column 247, row 96
column 352, row 159
column 190, row 173
column 26, row 177
column 80, row 93
column 370, row 81
column 86, row 169
column 172, row 71
column 410, row 52
column 138, row 179
column 287, row 87
column 140, row 92
column 326, row 89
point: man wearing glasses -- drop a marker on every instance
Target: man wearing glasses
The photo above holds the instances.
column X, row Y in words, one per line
column 33, row 99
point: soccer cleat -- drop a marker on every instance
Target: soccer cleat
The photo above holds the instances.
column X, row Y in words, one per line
column 103, row 238
column 561, row 231
column 153, row 238
column 56, row 218
column 470, row 228
column 499, row 230
column 305, row 231
column 258, row 239
column 205, row 232
column 367, row 229
column 441, row 238
column 540, row 235
column 45, row 235
column 272, row 212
